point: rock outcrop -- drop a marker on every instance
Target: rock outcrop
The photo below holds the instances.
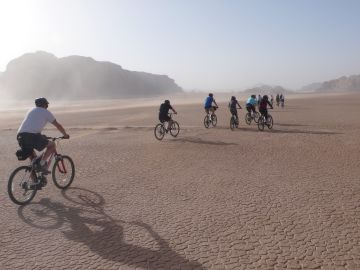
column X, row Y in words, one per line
column 342, row 84
column 77, row 77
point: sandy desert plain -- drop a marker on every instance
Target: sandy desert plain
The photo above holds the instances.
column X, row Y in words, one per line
column 287, row 198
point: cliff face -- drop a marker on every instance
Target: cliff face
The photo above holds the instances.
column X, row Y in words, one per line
column 343, row 84
column 77, row 77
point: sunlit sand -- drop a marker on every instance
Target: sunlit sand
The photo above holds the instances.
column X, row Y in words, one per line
column 208, row 199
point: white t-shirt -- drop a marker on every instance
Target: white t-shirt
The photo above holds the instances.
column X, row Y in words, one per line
column 35, row 120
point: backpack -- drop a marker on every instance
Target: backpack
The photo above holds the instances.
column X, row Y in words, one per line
column 23, row 153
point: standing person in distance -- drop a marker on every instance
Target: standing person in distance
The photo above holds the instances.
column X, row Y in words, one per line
column 29, row 134
column 277, row 100
column 282, row 100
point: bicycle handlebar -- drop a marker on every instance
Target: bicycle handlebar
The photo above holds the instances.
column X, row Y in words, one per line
column 56, row 138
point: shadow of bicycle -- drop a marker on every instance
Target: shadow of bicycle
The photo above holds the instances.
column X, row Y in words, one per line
column 201, row 141
column 288, row 131
column 87, row 223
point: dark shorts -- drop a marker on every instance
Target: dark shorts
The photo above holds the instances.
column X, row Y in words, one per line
column 32, row 140
column 264, row 112
column 164, row 118
column 233, row 111
column 250, row 108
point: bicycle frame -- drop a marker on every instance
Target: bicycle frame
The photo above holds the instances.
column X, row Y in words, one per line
column 52, row 156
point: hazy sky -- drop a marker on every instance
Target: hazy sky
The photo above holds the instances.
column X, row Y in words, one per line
column 202, row 44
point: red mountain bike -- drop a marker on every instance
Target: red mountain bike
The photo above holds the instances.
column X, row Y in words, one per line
column 25, row 181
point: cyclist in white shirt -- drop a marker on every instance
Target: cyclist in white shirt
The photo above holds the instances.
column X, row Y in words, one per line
column 29, row 134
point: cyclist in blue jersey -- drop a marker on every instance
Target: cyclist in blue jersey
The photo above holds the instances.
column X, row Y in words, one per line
column 251, row 103
column 208, row 104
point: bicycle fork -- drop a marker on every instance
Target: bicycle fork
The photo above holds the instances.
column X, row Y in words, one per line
column 61, row 165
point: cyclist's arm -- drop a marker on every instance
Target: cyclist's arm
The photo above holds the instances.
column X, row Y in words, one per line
column 172, row 108
column 60, row 128
column 269, row 104
column 239, row 105
column 215, row 103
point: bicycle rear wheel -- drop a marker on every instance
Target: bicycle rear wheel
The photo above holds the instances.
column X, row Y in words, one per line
column 232, row 123
column 206, row 121
column 270, row 122
column 214, row 120
column 256, row 117
column 261, row 123
column 21, row 187
column 248, row 118
column 175, row 129
column 63, row 172
column 159, row 131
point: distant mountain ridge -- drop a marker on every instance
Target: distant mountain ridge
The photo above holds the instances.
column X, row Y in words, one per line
column 342, row 84
column 78, row 77
column 267, row 89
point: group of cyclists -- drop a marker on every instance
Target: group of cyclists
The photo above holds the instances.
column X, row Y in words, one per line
column 210, row 106
column 29, row 135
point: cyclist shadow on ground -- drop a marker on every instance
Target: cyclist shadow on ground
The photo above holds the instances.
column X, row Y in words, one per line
column 291, row 125
column 201, row 141
column 288, row 131
column 107, row 239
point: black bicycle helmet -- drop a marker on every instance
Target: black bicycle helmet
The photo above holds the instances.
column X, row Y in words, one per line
column 210, row 94
column 233, row 98
column 253, row 96
column 41, row 102
column 167, row 101
column 265, row 97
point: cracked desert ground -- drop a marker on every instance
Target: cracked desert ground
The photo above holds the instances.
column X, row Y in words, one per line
column 286, row 198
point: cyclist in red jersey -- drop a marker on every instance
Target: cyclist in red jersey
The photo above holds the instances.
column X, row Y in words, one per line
column 263, row 106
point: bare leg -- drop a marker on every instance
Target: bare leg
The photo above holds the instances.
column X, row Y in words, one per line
column 49, row 150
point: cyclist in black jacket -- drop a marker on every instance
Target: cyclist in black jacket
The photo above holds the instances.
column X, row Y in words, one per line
column 164, row 113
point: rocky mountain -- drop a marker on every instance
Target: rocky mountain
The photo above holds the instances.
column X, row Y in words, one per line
column 342, row 84
column 267, row 90
column 77, row 77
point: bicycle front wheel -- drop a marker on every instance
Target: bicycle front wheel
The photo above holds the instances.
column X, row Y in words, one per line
column 232, row 123
column 261, row 123
column 21, row 186
column 63, row 172
column 248, row 118
column 159, row 131
column 214, row 120
column 270, row 122
column 175, row 129
column 207, row 121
